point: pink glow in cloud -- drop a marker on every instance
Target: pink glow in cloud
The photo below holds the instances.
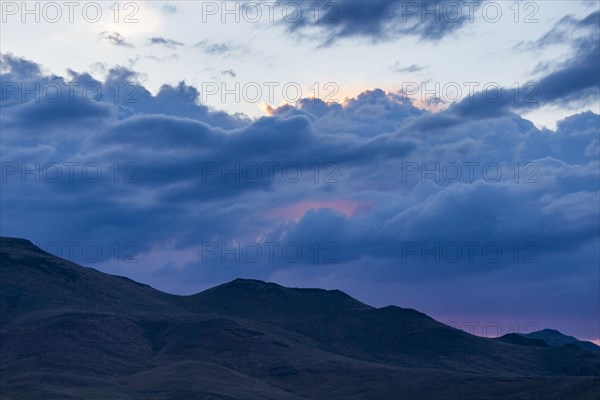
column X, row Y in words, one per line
column 297, row 210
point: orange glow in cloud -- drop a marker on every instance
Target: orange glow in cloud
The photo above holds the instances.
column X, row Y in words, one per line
column 297, row 210
column 344, row 95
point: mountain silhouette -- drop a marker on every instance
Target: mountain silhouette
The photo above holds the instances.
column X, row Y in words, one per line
column 556, row 339
column 71, row 332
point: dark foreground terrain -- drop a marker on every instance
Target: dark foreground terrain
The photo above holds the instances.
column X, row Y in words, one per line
column 70, row 332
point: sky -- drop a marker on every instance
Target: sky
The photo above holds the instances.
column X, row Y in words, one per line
column 437, row 155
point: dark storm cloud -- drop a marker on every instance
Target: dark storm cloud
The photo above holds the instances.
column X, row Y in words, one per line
column 575, row 79
column 46, row 115
column 171, row 197
column 383, row 20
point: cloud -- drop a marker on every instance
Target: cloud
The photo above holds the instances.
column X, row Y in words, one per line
column 576, row 79
column 571, row 81
column 19, row 67
column 409, row 69
column 567, row 29
column 352, row 184
column 371, row 113
column 169, row 8
column 171, row 57
column 115, row 38
column 229, row 72
column 169, row 43
column 381, row 20
column 213, row 48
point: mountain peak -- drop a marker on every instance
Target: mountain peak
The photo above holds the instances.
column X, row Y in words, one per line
column 18, row 248
column 556, row 339
column 248, row 295
column 250, row 282
column 6, row 241
column 550, row 332
column 263, row 285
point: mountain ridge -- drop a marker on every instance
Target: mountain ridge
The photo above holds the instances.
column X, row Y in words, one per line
column 556, row 338
column 85, row 334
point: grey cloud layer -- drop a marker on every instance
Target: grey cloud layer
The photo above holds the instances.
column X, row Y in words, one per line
column 370, row 210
